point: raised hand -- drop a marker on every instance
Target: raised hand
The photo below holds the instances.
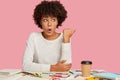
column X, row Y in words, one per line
column 67, row 33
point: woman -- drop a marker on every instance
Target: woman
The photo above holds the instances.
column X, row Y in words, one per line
column 48, row 50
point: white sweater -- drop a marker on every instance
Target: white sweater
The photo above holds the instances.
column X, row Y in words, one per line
column 40, row 53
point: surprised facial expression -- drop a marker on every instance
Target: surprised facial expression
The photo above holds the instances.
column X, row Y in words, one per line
column 49, row 24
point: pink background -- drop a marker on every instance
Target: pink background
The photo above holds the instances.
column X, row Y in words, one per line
column 97, row 36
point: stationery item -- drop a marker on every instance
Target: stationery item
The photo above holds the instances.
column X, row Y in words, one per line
column 27, row 77
column 12, row 77
column 47, row 75
column 75, row 72
column 76, row 76
column 55, row 73
column 71, row 72
column 108, row 75
column 7, row 72
column 60, row 74
column 97, row 71
column 91, row 78
column 104, row 79
column 54, row 78
column 37, row 74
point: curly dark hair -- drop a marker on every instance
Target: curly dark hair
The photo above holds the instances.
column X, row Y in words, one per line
column 49, row 8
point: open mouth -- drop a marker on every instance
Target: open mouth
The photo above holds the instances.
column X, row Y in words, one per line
column 49, row 29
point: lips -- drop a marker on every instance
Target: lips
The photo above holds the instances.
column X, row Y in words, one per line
column 49, row 30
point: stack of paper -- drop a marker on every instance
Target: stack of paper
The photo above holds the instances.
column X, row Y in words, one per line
column 12, row 77
column 8, row 72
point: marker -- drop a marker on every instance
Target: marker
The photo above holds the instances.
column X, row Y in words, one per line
column 78, row 70
column 71, row 72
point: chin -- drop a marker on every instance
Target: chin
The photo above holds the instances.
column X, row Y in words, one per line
column 50, row 34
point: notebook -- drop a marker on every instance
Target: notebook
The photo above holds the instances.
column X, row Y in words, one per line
column 108, row 75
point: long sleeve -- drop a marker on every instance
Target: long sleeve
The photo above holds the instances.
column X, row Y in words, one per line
column 66, row 52
column 28, row 64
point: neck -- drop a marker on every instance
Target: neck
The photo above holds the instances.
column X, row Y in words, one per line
column 50, row 37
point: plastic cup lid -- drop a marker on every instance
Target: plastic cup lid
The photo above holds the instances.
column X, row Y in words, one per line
column 86, row 62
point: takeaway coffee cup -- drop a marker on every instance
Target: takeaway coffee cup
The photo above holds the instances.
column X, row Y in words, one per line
column 86, row 68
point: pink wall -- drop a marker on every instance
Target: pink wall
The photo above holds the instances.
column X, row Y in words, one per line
column 97, row 36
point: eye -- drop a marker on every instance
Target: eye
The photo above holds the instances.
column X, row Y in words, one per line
column 45, row 20
column 53, row 20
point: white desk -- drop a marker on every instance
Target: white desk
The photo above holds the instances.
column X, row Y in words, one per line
column 43, row 76
column 21, row 76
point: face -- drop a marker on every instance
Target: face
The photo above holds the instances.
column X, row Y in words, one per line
column 49, row 25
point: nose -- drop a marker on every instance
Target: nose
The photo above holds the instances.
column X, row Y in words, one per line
column 49, row 23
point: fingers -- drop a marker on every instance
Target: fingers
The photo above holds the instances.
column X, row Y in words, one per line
column 73, row 31
column 69, row 64
column 68, row 32
column 67, row 67
column 63, row 61
column 62, row 66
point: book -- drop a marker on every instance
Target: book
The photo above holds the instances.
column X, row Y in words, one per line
column 108, row 75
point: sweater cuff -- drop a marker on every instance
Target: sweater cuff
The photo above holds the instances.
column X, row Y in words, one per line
column 33, row 67
column 46, row 68
column 66, row 52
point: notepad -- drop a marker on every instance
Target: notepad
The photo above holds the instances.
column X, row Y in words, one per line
column 108, row 75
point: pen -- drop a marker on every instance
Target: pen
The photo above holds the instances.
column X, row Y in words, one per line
column 76, row 76
column 47, row 72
